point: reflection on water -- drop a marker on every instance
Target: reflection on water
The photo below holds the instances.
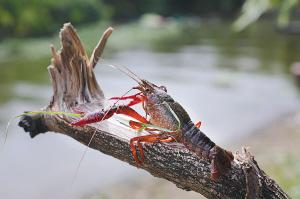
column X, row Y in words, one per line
column 222, row 81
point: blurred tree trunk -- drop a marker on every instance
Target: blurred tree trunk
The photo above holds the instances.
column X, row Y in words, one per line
column 74, row 84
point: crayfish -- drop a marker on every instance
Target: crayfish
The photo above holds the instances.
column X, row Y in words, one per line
column 168, row 118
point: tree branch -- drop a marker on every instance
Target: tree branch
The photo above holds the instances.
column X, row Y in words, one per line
column 74, row 84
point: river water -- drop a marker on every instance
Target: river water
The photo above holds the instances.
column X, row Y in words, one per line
column 231, row 95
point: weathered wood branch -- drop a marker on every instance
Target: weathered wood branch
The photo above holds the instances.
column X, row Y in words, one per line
column 74, row 84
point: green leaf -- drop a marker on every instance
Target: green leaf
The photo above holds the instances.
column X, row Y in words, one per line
column 125, row 122
column 251, row 11
column 50, row 113
column 284, row 12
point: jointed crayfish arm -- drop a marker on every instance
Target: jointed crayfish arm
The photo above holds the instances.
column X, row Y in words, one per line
column 105, row 114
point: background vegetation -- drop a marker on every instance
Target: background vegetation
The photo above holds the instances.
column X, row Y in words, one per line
column 23, row 18
column 39, row 17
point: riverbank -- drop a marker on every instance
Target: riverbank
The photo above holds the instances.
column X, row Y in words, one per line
column 275, row 147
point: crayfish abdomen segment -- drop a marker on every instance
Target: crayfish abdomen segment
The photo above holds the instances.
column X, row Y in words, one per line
column 196, row 141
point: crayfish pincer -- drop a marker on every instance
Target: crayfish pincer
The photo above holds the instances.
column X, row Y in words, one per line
column 167, row 121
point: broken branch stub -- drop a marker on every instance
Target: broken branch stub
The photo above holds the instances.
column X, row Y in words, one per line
column 74, row 84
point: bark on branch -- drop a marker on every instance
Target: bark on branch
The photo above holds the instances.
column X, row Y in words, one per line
column 74, row 84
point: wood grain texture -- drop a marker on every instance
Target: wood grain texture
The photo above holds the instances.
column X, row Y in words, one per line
column 74, row 85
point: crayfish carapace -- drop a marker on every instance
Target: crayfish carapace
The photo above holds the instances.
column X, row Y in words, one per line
column 169, row 119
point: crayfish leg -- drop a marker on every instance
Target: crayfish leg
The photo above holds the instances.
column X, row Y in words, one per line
column 141, row 151
column 135, row 99
column 167, row 137
column 126, row 110
column 141, row 126
column 198, row 124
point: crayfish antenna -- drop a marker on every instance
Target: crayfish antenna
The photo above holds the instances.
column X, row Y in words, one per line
column 6, row 132
column 127, row 72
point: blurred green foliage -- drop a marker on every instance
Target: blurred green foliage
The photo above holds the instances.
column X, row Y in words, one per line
column 23, row 18
column 286, row 171
column 40, row 17
column 128, row 9
column 252, row 10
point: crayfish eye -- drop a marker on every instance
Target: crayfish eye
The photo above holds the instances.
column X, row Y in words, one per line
column 163, row 88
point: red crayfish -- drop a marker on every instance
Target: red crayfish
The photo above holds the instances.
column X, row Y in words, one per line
column 164, row 112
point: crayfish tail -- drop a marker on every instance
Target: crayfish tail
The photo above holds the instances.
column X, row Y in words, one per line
column 220, row 162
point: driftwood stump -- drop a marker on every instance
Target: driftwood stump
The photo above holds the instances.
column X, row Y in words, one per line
column 74, row 84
